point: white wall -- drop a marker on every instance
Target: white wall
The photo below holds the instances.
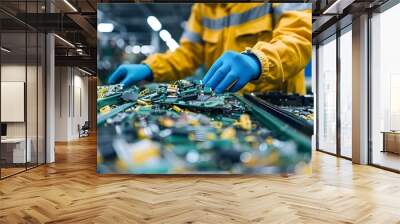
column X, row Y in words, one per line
column 71, row 94
column 80, row 115
column 62, row 81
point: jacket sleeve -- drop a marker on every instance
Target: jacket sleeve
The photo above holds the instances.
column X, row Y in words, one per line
column 290, row 48
column 182, row 62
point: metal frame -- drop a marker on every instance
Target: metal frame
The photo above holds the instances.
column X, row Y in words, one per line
column 0, row 89
column 369, row 91
column 26, row 87
column 316, row 98
column 338, row 75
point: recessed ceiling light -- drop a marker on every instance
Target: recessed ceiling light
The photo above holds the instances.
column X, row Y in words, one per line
column 70, row 5
column 5, row 50
column 64, row 40
column 105, row 27
column 84, row 71
column 154, row 23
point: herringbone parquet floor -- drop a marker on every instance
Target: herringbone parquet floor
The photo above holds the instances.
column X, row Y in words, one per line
column 70, row 191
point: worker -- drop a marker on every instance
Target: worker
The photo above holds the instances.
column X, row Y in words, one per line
column 250, row 46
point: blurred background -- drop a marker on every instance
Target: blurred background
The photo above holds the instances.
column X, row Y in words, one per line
column 128, row 33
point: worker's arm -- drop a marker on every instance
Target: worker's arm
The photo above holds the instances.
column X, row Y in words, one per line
column 289, row 51
column 186, row 58
column 284, row 56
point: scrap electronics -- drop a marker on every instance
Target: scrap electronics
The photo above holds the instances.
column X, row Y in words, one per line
column 184, row 127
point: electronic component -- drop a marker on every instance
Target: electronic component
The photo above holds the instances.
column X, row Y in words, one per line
column 105, row 91
column 184, row 127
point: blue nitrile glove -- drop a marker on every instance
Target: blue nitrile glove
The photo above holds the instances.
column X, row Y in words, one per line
column 129, row 74
column 232, row 67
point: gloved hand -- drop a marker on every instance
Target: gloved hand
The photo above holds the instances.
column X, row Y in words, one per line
column 232, row 67
column 129, row 74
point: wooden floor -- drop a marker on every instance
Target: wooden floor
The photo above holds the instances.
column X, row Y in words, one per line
column 70, row 191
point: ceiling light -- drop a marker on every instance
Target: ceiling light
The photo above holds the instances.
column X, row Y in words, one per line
column 105, row 27
column 128, row 49
column 136, row 49
column 172, row 44
column 84, row 71
column 154, row 23
column 65, row 41
column 165, row 35
column 70, row 5
column 120, row 43
column 337, row 7
column 79, row 51
column 146, row 49
column 5, row 50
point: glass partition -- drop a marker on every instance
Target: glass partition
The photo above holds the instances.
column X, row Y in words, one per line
column 385, row 89
column 35, row 87
column 41, row 97
column 327, row 95
column 346, row 93
column 15, row 152
column 31, row 97
column 22, row 88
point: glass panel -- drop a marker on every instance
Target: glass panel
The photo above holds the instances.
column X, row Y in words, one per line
column 346, row 94
column 385, row 84
column 32, row 86
column 327, row 96
column 31, row 98
column 41, row 99
column 23, row 88
column 13, row 86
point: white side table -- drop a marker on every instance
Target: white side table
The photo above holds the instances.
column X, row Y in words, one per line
column 19, row 149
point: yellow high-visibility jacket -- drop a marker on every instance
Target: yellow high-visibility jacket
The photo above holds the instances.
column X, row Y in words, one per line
column 279, row 34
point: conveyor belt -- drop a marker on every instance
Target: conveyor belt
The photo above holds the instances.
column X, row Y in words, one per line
column 296, row 122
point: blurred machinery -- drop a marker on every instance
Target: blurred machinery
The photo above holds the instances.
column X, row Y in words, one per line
column 184, row 127
column 294, row 109
column 128, row 33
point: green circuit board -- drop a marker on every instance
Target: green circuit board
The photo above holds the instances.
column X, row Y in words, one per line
column 185, row 128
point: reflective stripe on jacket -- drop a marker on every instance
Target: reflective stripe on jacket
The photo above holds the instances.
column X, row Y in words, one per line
column 279, row 34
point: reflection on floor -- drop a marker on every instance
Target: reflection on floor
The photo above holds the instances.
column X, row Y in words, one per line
column 70, row 191
column 10, row 171
column 387, row 159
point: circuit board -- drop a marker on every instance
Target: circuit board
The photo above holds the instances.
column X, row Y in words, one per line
column 186, row 128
